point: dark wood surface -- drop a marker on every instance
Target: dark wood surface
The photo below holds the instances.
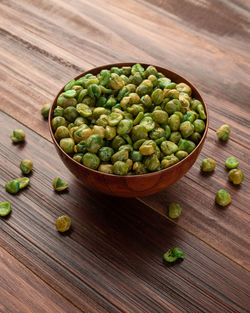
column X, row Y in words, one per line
column 111, row 261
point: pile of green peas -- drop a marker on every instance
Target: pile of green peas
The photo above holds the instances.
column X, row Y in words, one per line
column 128, row 120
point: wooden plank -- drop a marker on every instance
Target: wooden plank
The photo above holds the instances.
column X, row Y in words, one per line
column 23, row 291
column 33, row 33
column 101, row 253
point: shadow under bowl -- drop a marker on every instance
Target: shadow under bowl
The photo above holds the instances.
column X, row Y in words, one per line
column 134, row 185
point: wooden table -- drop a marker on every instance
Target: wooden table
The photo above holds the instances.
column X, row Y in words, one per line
column 111, row 261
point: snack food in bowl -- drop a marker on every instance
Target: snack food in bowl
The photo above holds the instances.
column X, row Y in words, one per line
column 128, row 129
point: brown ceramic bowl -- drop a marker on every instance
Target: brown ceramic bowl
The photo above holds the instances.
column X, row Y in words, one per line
column 136, row 185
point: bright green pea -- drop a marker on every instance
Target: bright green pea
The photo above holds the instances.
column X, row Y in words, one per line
column 69, row 94
column 26, row 166
column 94, row 91
column 59, row 184
column 174, row 210
column 12, row 186
column 222, row 198
column 5, row 208
column 231, row 163
column 104, row 77
column 186, row 145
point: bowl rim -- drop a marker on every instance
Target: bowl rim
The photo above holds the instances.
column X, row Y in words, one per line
column 121, row 64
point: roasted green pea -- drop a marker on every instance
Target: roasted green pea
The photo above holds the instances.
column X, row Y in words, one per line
column 167, row 131
column 139, row 168
column 184, row 88
column 116, row 82
column 152, row 162
column 106, row 168
column 120, row 168
column 148, row 123
column 12, row 186
column 145, row 88
column 102, row 120
column 181, row 154
column 159, row 141
column 114, row 119
column 157, row 96
column 172, row 255
column 58, row 121
column 124, row 127
column 120, row 156
column 223, row 132
column 58, row 111
column 117, row 142
column 78, row 157
column 148, row 147
column 190, row 116
column 186, row 145
column 153, row 80
column 199, row 126
column 63, row 223
column 67, row 144
column 160, row 116
column 94, row 143
column 70, row 113
column 137, row 68
column 195, row 137
column 169, row 160
column 62, row 132
column 82, row 94
column 138, row 143
column 99, row 130
column 222, row 198
column 104, row 77
column 105, row 153
column 172, row 106
column 186, row 129
column 174, row 210
column 45, row 110
column 231, row 163
column 235, row 176
column 84, row 110
column 138, row 118
column 150, row 70
column 136, row 156
column 146, row 101
column 5, row 208
column 26, row 166
column 201, row 111
column 91, row 160
column 157, row 133
column 110, row 132
column 208, row 165
column 81, row 147
column 18, row 135
column 175, row 137
column 80, row 121
column 116, row 70
column 174, row 122
column 69, row 85
column 69, row 94
column 65, row 102
column 139, row 132
column 81, row 133
column 23, row 182
column 168, row 147
column 127, row 147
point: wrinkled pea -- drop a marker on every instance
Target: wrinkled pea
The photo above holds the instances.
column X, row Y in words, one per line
column 186, row 129
column 67, row 144
column 169, row 160
column 181, row 154
column 23, row 182
column 63, row 223
column 174, row 210
column 18, row 135
column 235, row 176
column 120, row 168
column 208, row 165
column 223, row 132
column 45, row 110
column 26, row 166
column 91, row 160
column 12, row 186
column 231, row 163
column 5, row 208
column 222, row 198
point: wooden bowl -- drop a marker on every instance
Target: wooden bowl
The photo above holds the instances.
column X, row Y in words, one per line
column 136, row 185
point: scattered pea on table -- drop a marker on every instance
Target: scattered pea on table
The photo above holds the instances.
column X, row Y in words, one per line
column 18, row 135
column 63, row 223
column 223, row 198
column 59, row 184
column 173, row 254
column 5, row 208
column 231, row 163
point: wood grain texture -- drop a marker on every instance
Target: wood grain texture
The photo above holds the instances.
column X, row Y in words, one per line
column 23, row 292
column 111, row 260
column 56, row 40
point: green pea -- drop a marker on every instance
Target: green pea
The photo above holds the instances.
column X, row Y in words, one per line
column 94, row 143
column 231, row 163
column 201, row 111
column 84, row 110
column 78, row 157
column 26, row 166
column 136, row 156
column 5, row 208
column 110, row 132
column 160, row 116
column 110, row 102
column 139, row 132
column 23, row 182
column 114, row 119
column 174, row 210
column 67, row 144
column 148, row 147
column 117, row 142
column 12, row 186
column 195, row 137
column 139, row 168
column 105, row 153
column 138, row 143
column 194, row 104
column 190, row 116
column 186, row 145
column 58, row 121
column 150, row 70
column 169, row 160
column 223, row 132
column 124, row 127
column 126, row 70
column 153, row 80
column 172, row 255
column 106, row 168
column 58, row 111
column 116, row 82
column 127, row 147
column 102, row 120
column 184, row 88
column 164, row 82
column 94, row 91
column 45, row 110
column 148, row 123
column 168, row 147
column 18, row 135
column 59, row 184
column 80, row 121
column 175, row 137
column 63, row 223
column 146, row 101
column 186, row 129
column 181, row 116
column 181, row 154
column 69, row 94
column 120, row 168
column 167, row 131
column 222, row 198
column 208, row 165
column 137, row 68
column 235, row 176
column 104, row 77
column 64, row 102
column 120, row 156
column 199, row 126
column 70, row 113
column 145, row 88
column 159, row 141
column 172, row 106
column 91, row 160
column 157, row 133
column 82, row 94
column 152, row 162
column 81, row 147
column 174, row 122
column 157, row 96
